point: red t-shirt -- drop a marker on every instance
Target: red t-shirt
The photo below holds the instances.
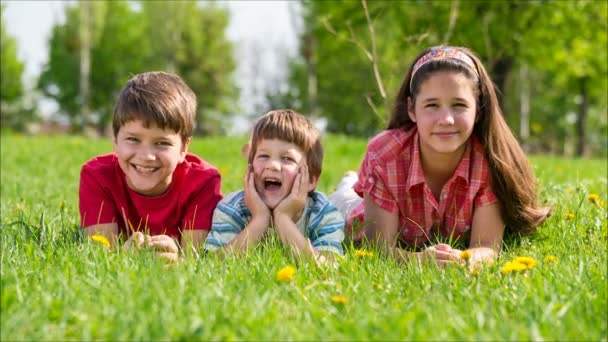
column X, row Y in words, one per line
column 189, row 202
column 391, row 173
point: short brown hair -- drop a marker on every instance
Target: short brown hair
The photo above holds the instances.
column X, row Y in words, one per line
column 290, row 126
column 158, row 98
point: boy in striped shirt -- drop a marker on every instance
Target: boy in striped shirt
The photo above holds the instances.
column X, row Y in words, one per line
column 284, row 165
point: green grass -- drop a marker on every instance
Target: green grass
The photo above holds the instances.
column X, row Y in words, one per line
column 56, row 285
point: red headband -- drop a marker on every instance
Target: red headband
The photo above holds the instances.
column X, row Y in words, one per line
column 442, row 53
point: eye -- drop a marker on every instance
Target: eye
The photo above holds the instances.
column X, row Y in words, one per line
column 164, row 143
column 261, row 156
column 131, row 139
column 289, row 159
column 430, row 105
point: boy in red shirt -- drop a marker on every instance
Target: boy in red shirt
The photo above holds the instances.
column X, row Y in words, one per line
column 151, row 191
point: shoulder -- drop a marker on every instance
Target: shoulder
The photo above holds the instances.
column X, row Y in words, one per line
column 196, row 170
column 102, row 165
column 318, row 204
column 391, row 142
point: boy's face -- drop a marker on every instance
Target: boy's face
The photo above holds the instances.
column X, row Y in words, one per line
column 148, row 156
column 276, row 164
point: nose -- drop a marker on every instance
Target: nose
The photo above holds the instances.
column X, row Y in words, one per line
column 147, row 153
column 273, row 164
column 446, row 117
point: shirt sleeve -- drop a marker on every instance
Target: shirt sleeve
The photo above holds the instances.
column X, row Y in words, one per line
column 199, row 213
column 326, row 230
column 371, row 181
column 95, row 204
column 485, row 196
column 228, row 222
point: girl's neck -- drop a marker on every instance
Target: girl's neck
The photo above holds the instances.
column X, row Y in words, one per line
column 438, row 168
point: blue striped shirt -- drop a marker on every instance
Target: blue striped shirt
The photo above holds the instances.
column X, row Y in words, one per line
column 321, row 222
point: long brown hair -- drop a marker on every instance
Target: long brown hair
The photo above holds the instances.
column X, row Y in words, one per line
column 512, row 177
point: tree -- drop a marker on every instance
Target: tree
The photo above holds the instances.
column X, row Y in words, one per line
column 11, row 72
column 192, row 42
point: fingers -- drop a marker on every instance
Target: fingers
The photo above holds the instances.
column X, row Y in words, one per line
column 174, row 257
column 163, row 243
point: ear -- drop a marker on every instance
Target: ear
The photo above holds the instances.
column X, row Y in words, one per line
column 245, row 150
column 114, row 142
column 410, row 109
column 184, row 149
column 313, row 183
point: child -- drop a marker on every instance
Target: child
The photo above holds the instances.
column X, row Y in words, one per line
column 151, row 189
column 446, row 165
column 285, row 159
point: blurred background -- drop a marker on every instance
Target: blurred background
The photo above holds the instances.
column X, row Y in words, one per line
column 339, row 62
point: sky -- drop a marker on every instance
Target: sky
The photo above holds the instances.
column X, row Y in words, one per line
column 261, row 45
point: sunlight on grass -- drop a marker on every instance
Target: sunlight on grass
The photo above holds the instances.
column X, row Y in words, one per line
column 59, row 285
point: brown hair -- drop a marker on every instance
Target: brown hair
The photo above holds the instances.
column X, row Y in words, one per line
column 156, row 98
column 290, row 126
column 512, row 177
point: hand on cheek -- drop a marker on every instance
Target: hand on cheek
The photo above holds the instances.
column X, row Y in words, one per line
column 293, row 205
column 254, row 202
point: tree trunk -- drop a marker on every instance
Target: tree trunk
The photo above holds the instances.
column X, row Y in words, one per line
column 524, row 106
column 582, row 118
column 499, row 73
column 85, row 61
column 309, row 50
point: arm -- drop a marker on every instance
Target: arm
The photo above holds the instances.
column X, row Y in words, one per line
column 486, row 234
column 381, row 227
column 227, row 231
column 287, row 213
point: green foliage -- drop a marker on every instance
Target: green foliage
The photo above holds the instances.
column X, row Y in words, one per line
column 11, row 71
column 562, row 42
column 56, row 285
column 190, row 42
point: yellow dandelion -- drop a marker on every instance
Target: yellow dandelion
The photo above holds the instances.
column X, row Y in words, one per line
column 19, row 207
column 465, row 255
column 339, row 299
column 569, row 190
column 528, row 261
column 361, row 253
column 550, row 259
column 101, row 239
column 568, row 216
column 286, row 273
column 601, row 203
column 594, row 198
column 512, row 266
column 61, row 204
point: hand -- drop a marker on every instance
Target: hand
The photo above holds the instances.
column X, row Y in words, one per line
column 441, row 253
column 259, row 210
column 293, row 205
column 136, row 240
column 165, row 246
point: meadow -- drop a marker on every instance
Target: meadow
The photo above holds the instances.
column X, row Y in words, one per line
column 57, row 285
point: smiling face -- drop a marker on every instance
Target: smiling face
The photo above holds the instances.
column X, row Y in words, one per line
column 444, row 113
column 148, row 156
column 276, row 164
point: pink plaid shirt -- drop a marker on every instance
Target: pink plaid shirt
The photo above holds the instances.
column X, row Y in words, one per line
column 391, row 174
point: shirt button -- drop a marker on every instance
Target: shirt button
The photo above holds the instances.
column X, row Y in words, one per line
column 370, row 179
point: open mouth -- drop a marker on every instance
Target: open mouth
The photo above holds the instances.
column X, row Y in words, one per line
column 272, row 184
column 144, row 169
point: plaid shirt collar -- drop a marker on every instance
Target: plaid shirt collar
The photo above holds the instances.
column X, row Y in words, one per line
column 416, row 174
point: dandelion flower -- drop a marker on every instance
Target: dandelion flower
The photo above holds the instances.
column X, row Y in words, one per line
column 361, row 253
column 101, row 239
column 528, row 261
column 339, row 299
column 513, row 266
column 594, row 198
column 550, row 259
column 568, row 216
column 569, row 190
column 286, row 273
column 465, row 255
